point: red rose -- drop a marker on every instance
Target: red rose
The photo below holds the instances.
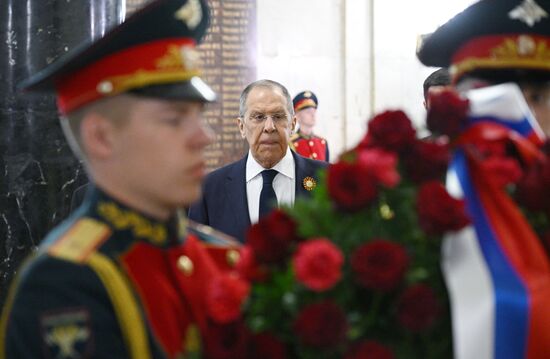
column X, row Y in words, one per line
column 427, row 161
column 318, row 264
column 391, row 130
column 271, row 237
column 248, row 268
column 418, row 308
column 448, row 113
column 226, row 341
column 545, row 237
column 381, row 164
column 321, row 325
column 351, row 186
column 501, row 170
column 533, row 190
column 438, row 212
column 380, row 264
column 224, row 297
column 369, row 349
column 266, row 346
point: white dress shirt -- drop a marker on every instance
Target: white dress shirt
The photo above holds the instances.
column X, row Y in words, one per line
column 284, row 183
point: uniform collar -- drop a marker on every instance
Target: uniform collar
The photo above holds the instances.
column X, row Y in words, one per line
column 134, row 223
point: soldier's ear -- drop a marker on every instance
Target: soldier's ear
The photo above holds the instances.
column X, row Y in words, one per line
column 240, row 122
column 97, row 136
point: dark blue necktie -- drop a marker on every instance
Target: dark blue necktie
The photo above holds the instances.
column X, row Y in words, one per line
column 268, row 198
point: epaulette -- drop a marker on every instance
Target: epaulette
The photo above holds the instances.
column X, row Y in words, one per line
column 210, row 235
column 80, row 241
column 295, row 136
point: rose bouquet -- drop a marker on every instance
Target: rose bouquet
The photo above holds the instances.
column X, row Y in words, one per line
column 355, row 271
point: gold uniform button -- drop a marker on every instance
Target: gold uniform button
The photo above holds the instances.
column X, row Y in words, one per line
column 311, row 143
column 232, row 257
column 185, row 265
column 314, row 155
column 323, row 142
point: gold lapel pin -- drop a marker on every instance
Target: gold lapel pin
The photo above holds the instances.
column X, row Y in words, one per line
column 309, row 183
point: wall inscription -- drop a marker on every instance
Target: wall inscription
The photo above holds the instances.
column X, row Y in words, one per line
column 228, row 54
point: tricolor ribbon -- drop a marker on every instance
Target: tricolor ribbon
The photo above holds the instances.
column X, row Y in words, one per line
column 497, row 271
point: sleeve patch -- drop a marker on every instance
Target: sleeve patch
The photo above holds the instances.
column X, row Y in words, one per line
column 67, row 334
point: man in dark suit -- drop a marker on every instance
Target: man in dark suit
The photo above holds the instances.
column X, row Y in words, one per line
column 237, row 195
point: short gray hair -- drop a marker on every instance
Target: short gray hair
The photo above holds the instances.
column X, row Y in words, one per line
column 269, row 84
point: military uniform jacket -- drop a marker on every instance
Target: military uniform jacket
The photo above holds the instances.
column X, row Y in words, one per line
column 313, row 146
column 112, row 283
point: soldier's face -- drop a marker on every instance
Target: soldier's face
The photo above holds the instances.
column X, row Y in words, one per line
column 267, row 125
column 159, row 150
column 307, row 117
column 538, row 98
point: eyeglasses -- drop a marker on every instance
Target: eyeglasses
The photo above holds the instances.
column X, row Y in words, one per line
column 258, row 118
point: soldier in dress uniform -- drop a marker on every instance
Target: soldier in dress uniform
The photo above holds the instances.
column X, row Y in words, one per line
column 304, row 141
column 493, row 42
column 125, row 276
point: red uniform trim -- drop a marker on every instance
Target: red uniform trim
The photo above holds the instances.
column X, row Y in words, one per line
column 151, row 63
column 307, row 102
column 502, row 52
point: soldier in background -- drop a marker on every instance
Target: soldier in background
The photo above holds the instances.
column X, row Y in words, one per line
column 121, row 278
column 304, row 141
column 435, row 82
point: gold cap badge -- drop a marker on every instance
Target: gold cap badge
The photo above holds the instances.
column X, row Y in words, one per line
column 309, row 183
column 190, row 14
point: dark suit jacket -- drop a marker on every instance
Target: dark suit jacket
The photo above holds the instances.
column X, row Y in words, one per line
column 224, row 204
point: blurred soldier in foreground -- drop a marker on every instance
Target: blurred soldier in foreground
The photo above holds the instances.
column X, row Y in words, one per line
column 493, row 42
column 122, row 278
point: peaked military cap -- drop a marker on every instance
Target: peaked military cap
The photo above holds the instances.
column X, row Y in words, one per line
column 304, row 100
column 492, row 36
column 152, row 54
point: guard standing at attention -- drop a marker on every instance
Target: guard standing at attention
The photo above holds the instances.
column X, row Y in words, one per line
column 304, row 141
column 127, row 274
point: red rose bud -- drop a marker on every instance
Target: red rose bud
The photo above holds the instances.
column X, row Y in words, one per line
column 226, row 341
column 391, row 130
column 438, row 212
column 271, row 237
column 448, row 113
column 248, row 268
column 318, row 264
column 224, row 298
column 351, row 186
column 501, row 170
column 418, row 308
column 427, row 161
column 321, row 325
column 380, row 264
column 266, row 346
column 487, row 148
column 381, row 164
column 369, row 349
